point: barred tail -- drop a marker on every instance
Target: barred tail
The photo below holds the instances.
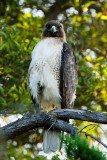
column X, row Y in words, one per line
column 51, row 142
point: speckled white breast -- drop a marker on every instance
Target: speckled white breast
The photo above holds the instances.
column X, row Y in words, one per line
column 44, row 69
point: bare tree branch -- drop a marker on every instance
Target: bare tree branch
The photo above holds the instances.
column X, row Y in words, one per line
column 87, row 134
column 94, row 126
column 29, row 122
column 83, row 115
column 51, row 120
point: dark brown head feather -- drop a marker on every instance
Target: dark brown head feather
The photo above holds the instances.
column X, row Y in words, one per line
column 58, row 34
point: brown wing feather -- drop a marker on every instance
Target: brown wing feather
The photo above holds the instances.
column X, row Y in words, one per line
column 68, row 76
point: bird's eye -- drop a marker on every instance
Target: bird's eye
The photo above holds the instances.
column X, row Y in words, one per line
column 59, row 27
column 47, row 26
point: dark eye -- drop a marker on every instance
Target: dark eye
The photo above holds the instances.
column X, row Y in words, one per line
column 47, row 26
column 59, row 27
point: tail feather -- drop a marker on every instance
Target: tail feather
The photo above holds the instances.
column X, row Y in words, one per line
column 51, row 141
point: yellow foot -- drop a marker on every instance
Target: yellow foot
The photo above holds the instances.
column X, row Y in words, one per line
column 48, row 109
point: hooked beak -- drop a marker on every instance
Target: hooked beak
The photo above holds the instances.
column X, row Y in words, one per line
column 53, row 29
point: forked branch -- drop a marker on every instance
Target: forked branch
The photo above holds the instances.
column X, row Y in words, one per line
column 53, row 119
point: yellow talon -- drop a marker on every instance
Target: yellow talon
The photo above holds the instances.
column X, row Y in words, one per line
column 51, row 108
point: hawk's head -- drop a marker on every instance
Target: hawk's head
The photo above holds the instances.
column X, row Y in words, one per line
column 54, row 29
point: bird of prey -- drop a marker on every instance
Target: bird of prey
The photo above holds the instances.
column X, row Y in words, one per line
column 52, row 76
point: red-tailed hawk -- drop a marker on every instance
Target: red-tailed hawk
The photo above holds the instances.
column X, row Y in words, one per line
column 52, row 76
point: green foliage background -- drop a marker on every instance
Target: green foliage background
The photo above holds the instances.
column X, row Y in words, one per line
column 78, row 148
column 21, row 24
